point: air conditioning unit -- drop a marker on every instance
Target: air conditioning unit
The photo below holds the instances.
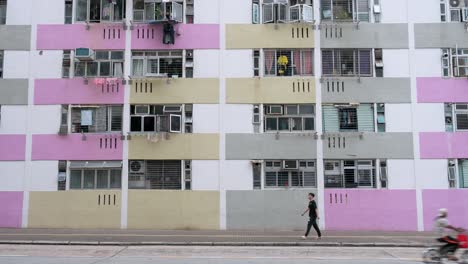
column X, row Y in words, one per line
column 454, row 3
column 290, row 164
column 137, row 167
column 275, row 110
column 451, row 173
column 142, row 109
column 84, row 54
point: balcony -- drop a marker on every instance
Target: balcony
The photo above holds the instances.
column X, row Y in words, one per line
column 442, row 90
column 77, row 147
column 75, row 209
column 174, row 91
column 78, row 91
column 364, row 35
column 441, row 145
column 187, row 36
column 439, row 35
column 69, row 37
column 384, row 90
column 19, row 37
column 173, row 146
column 270, row 90
column 240, row 36
column 363, row 145
column 271, row 146
column 13, row 147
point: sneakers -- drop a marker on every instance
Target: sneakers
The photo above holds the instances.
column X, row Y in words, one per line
column 304, row 237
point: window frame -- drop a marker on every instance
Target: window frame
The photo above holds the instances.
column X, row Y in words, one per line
column 291, row 65
column 185, row 179
column 460, row 112
column 77, row 128
column 356, row 167
column 290, row 117
column 146, row 56
column 337, row 63
column 95, row 182
column 112, row 15
column 4, row 7
column 2, row 58
column 83, row 66
column 277, row 167
column 354, row 15
column 169, row 116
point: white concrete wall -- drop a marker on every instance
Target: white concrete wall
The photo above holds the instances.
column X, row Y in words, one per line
column 432, row 173
column 206, row 11
column 428, row 63
column 53, row 12
column 205, row 175
column 398, row 118
column 401, row 174
column 424, row 11
column 239, row 63
column 206, row 63
column 394, row 11
column 16, row 64
column 13, row 119
column 237, row 11
column 238, row 175
column 19, row 12
column 47, row 65
column 44, row 175
column 11, row 175
column 396, row 62
column 205, row 118
column 237, row 118
column 45, row 119
column 430, row 118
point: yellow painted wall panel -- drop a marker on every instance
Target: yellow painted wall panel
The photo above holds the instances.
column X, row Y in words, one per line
column 74, row 209
column 272, row 90
column 173, row 91
column 176, row 146
column 246, row 36
column 188, row 210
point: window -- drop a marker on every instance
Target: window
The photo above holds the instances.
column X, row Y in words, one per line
column 283, row 12
column 349, row 173
column 379, row 66
column 1, row 63
column 189, row 12
column 347, row 62
column 383, row 174
column 380, row 117
column 453, row 11
column 256, row 62
column 68, row 11
column 349, row 118
column 157, row 63
column 257, row 175
column 97, row 11
column 461, row 117
column 161, row 11
column 189, row 64
column 188, row 118
column 188, row 174
column 452, row 173
column 288, row 62
column 95, row 119
column 105, row 64
column 62, row 175
column 290, row 174
column 345, row 10
column 95, row 178
column 255, row 11
column 157, row 174
column 289, row 118
column 160, row 118
column 66, row 64
column 3, row 10
column 463, row 172
column 455, row 62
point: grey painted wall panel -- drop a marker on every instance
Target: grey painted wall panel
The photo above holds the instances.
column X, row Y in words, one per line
column 267, row 146
column 440, row 35
column 381, row 90
column 14, row 91
column 15, row 37
column 267, row 209
column 367, row 35
column 370, row 146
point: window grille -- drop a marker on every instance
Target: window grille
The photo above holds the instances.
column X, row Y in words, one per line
column 290, row 118
column 349, row 174
column 98, row 11
column 68, row 11
column 347, row 62
column 288, row 62
column 277, row 176
column 461, row 114
column 3, row 11
column 345, row 10
column 346, row 118
column 106, row 64
column 188, row 174
column 157, row 174
column 157, row 63
column 96, row 119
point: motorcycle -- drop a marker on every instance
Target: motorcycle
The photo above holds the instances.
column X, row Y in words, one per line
column 433, row 255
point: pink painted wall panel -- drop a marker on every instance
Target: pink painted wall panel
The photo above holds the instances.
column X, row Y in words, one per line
column 73, row 147
column 442, row 145
column 454, row 200
column 385, row 210
column 190, row 36
column 11, row 208
column 12, row 147
column 99, row 36
column 74, row 91
column 440, row 90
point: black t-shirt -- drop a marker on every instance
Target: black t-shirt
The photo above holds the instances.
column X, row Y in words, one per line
column 312, row 208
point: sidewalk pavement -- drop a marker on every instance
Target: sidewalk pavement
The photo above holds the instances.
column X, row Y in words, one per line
column 123, row 237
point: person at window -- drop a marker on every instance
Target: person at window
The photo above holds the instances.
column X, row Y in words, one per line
column 313, row 216
column 442, row 228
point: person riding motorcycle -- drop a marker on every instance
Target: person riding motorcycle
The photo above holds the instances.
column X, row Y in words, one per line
column 442, row 227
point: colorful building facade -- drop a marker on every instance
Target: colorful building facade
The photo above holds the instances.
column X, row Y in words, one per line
column 219, row 114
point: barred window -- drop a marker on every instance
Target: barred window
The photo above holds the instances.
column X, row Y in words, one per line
column 97, row 11
column 105, row 64
column 289, row 118
column 94, row 119
column 3, row 10
column 349, row 173
column 157, row 63
column 290, row 174
column 288, row 62
column 156, row 174
column 461, row 114
column 347, row 62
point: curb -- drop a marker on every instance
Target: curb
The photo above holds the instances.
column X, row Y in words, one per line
column 213, row 244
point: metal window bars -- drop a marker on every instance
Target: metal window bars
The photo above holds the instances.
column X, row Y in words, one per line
column 302, row 176
column 345, row 10
column 350, row 174
column 347, row 62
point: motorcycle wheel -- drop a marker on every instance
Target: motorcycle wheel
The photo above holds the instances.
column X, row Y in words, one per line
column 464, row 257
column 431, row 256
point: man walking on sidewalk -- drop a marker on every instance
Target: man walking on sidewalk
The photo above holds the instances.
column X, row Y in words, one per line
column 313, row 216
